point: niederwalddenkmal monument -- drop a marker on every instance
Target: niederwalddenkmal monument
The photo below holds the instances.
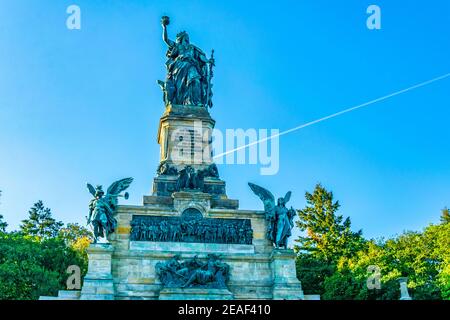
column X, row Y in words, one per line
column 188, row 240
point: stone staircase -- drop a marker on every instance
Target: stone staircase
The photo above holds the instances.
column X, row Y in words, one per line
column 64, row 295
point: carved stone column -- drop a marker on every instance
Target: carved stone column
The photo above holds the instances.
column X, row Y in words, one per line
column 98, row 282
column 286, row 286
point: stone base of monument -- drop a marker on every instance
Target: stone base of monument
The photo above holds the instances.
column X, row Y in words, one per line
column 96, row 289
column 195, row 294
column 98, row 283
column 64, row 295
column 286, row 285
column 126, row 269
column 257, row 270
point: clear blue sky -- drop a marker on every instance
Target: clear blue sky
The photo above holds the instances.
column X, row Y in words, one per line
column 78, row 106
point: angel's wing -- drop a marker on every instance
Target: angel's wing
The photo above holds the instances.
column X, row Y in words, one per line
column 119, row 186
column 265, row 195
column 287, row 197
column 91, row 189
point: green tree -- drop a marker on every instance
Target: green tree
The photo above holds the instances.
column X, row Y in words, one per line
column 423, row 257
column 349, row 282
column 438, row 255
column 312, row 272
column 328, row 238
column 73, row 232
column 34, row 261
column 40, row 222
column 78, row 238
column 3, row 223
column 328, row 235
column 445, row 216
column 30, row 268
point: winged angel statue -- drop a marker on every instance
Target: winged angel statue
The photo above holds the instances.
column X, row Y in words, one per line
column 102, row 207
column 279, row 217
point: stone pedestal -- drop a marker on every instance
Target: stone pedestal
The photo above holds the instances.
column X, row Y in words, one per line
column 286, row 286
column 64, row 295
column 194, row 294
column 98, row 282
column 185, row 136
column 404, row 294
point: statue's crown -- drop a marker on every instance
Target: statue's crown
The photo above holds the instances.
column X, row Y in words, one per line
column 183, row 34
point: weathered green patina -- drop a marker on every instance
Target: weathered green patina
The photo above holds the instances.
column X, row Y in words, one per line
column 102, row 207
column 189, row 72
column 279, row 217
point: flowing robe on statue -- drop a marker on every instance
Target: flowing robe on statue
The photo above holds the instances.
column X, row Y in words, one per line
column 102, row 218
column 186, row 75
column 283, row 228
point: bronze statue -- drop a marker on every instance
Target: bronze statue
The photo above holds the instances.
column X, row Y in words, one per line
column 189, row 72
column 187, row 179
column 193, row 273
column 212, row 171
column 165, row 169
column 191, row 179
column 203, row 230
column 102, row 207
column 279, row 217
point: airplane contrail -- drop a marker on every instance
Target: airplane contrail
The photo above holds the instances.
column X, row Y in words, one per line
column 365, row 104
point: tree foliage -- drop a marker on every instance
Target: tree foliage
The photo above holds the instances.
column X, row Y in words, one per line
column 34, row 260
column 73, row 233
column 445, row 216
column 78, row 238
column 40, row 222
column 30, row 268
column 328, row 235
column 423, row 257
column 3, row 223
column 334, row 261
column 328, row 238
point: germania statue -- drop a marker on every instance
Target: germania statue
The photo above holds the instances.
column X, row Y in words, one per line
column 189, row 72
column 280, row 218
column 102, row 207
